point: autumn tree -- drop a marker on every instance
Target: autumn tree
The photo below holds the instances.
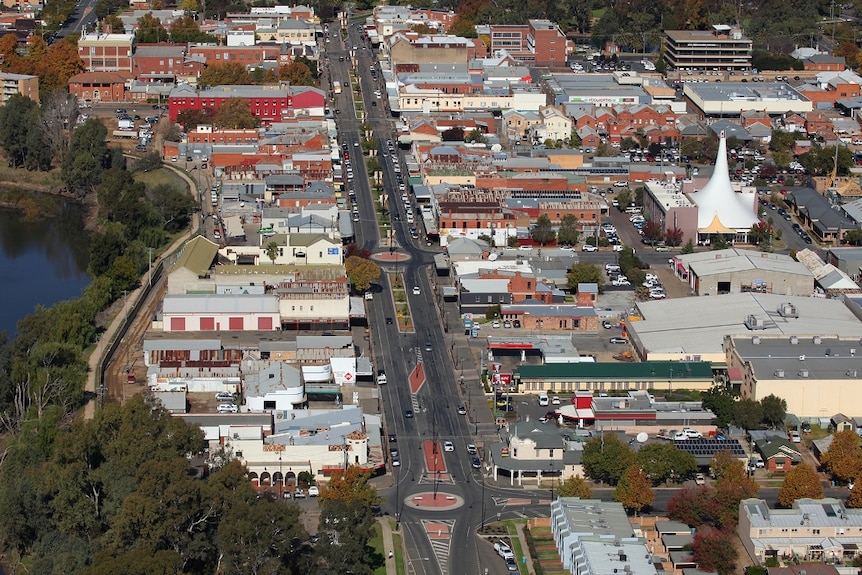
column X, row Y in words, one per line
column 297, row 73
column 361, row 272
column 150, row 30
column 843, row 459
column 714, row 550
column 692, row 506
column 229, row 73
column 189, row 119
column 665, row 461
column 234, row 114
column 185, row 29
column 463, row 26
column 575, row 486
column 854, row 500
column 606, row 458
column 800, row 482
column 634, row 490
column 731, row 486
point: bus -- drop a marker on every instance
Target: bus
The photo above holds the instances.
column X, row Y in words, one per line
column 336, row 87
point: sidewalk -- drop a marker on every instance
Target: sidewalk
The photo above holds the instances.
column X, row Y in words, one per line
column 389, row 546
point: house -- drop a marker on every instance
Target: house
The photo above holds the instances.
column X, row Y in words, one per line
column 555, row 125
column 840, row 422
column 812, row 530
column 778, row 454
column 99, row 86
column 194, row 264
column 299, row 249
column 534, row 452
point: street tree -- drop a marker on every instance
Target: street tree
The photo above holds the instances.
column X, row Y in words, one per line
column 732, row 486
column 854, row 500
column 692, row 506
column 634, row 490
column 606, row 458
column 543, row 232
column 624, row 199
column 297, row 73
column 714, row 550
column 688, row 248
column 747, row 413
column 585, row 272
column 661, row 462
column 801, row 481
column 652, row 231
column 843, row 459
column 361, row 272
column 774, row 410
column 568, row 232
column 575, row 486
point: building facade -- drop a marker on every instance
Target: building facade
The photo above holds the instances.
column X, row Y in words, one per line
column 722, row 48
column 107, row 52
column 22, row 84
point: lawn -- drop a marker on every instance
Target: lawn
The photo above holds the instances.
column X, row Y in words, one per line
column 377, row 560
column 159, row 177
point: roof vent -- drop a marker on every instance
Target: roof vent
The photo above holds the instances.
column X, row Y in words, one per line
column 851, row 373
column 816, row 340
column 801, row 358
column 803, row 373
column 794, row 340
column 755, row 340
column 779, row 373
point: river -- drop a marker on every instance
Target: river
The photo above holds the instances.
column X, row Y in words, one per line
column 41, row 262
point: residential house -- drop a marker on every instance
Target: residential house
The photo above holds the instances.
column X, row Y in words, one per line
column 778, row 454
column 535, row 453
column 555, row 125
column 299, row 249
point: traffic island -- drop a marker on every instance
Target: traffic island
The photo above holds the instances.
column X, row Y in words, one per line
column 430, row 501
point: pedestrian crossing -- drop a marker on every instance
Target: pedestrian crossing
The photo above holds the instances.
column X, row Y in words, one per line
column 440, row 535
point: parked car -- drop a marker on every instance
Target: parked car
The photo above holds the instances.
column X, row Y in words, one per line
column 227, row 408
column 475, row 462
column 620, row 340
column 692, row 433
column 224, row 396
column 589, row 248
column 699, row 479
column 471, row 449
column 503, row 549
column 794, row 437
column 555, row 400
column 606, row 324
column 462, row 410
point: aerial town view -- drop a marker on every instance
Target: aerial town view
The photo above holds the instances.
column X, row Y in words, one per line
column 474, row 287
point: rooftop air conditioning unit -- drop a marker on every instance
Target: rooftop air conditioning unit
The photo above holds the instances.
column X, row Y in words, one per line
column 794, row 340
column 779, row 373
column 803, row 373
column 755, row 340
column 816, row 340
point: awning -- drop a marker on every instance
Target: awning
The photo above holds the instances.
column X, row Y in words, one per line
column 716, row 227
column 734, row 374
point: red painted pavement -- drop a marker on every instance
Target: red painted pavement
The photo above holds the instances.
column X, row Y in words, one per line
column 435, row 463
column 416, row 378
column 442, row 501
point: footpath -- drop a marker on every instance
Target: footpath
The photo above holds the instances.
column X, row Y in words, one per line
column 106, row 340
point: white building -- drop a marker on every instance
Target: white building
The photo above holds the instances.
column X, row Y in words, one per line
column 298, row 249
column 220, row 312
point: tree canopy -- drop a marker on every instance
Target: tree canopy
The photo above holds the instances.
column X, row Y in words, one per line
column 843, row 459
column 661, row 462
column 361, row 272
column 634, row 490
column 606, row 458
column 801, row 481
column 575, row 486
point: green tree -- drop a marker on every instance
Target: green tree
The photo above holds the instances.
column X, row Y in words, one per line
column 719, row 242
column 271, row 251
column 715, row 550
column 747, row 414
column 575, row 486
column 297, row 73
column 87, row 158
column 150, row 30
column 800, row 482
column 661, row 462
column 606, row 458
column 543, row 233
column 774, row 410
column 235, row 114
column 688, row 248
column 185, row 29
column 361, row 272
column 843, row 459
column 584, row 272
column 463, row 26
column 568, row 233
column 17, row 121
column 624, row 199
column 720, row 401
column 634, row 490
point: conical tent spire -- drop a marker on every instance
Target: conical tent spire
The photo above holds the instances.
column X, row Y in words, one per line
column 717, row 200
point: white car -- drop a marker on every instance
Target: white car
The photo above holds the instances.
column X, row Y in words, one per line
column 227, row 408
column 313, row 491
column 224, row 396
column 495, row 324
column 555, row 400
column 618, row 247
column 691, row 433
column 416, row 290
column 680, row 436
column 448, row 446
column 589, row 248
column 621, row 282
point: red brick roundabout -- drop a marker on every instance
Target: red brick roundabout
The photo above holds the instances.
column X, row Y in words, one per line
column 427, row 501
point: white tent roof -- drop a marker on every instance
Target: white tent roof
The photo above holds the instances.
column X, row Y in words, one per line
column 719, row 208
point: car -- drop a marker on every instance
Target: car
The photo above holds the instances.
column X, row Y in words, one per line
column 503, row 549
column 621, row 184
column 393, row 452
column 381, row 377
column 679, row 436
column 120, row 111
column 806, row 427
column 589, row 248
column 416, row 290
column 313, row 491
column 217, row 234
column 428, row 346
column 408, row 414
column 618, row 247
column 495, row 324
column 794, row 437
column 462, row 410
column 299, row 493
column 392, row 438
column 471, row 449
column 396, row 461
column 507, row 324
column 692, row 433
column 516, row 323
column 657, row 295
column 475, row 462
column 511, row 565
column 620, row 281
column 620, row 340
column 227, row 408
column 699, row 479
column 555, row 400
column 224, row 396
column 448, row 446
column 607, row 325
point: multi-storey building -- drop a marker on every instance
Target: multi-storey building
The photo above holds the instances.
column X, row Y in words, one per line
column 107, row 52
column 722, row 48
column 19, row 84
column 539, row 42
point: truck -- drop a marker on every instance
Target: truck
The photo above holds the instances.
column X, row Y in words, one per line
column 126, row 124
column 125, row 134
column 336, row 87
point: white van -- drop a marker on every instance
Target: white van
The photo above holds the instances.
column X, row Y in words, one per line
column 543, row 399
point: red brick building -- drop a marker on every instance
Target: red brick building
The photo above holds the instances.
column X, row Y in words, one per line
column 211, row 135
column 107, row 52
column 539, row 42
column 267, row 103
column 99, row 86
column 244, row 55
column 165, row 63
